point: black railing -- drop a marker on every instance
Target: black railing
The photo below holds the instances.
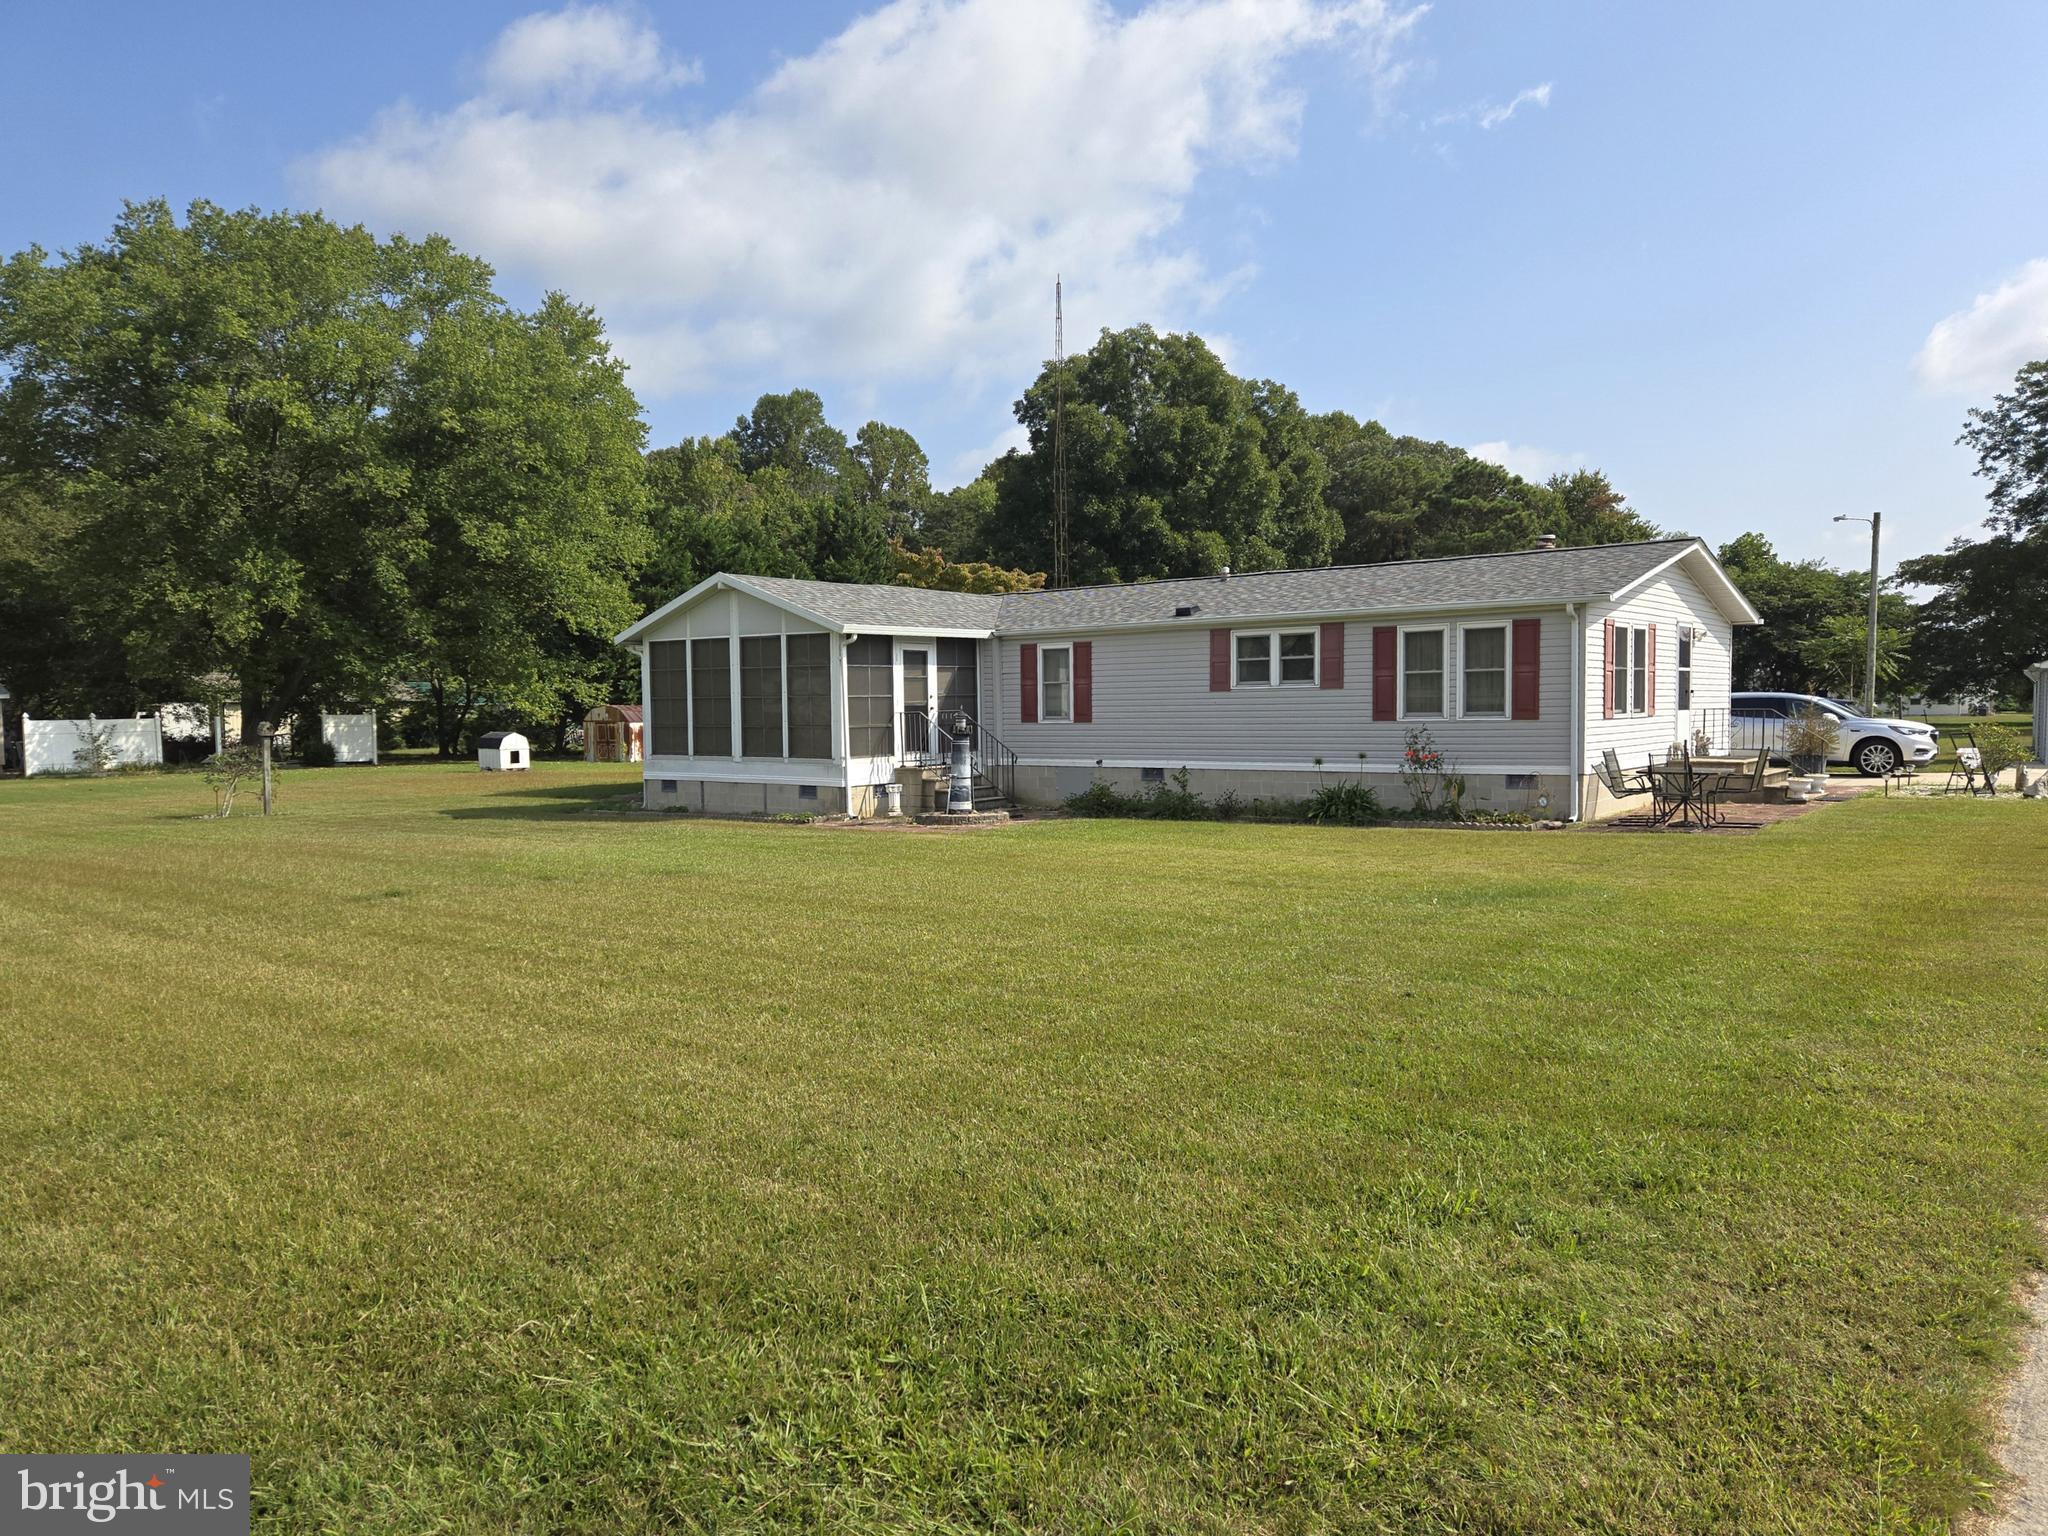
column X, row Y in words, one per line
column 929, row 743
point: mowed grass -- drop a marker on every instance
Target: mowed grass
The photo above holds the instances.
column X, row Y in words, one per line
column 477, row 1163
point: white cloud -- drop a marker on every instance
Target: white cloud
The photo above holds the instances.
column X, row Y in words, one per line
column 1492, row 114
column 1528, row 462
column 1979, row 349
column 580, row 52
column 1535, row 96
column 895, row 202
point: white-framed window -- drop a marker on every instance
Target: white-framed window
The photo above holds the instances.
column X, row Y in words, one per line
column 1425, row 656
column 1631, row 669
column 1483, row 656
column 1275, row 658
column 1685, row 666
column 1055, row 682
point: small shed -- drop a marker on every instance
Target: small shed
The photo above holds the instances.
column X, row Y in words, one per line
column 611, row 734
column 503, row 752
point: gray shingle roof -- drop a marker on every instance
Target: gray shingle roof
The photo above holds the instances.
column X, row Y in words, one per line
column 1465, row 581
column 1527, row 577
column 845, row 602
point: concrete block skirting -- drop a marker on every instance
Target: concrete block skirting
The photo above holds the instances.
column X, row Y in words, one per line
column 733, row 797
column 1046, row 785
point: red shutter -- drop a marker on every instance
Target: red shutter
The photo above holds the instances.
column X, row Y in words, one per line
column 1333, row 656
column 1027, row 684
column 1084, row 681
column 1385, row 640
column 1219, row 661
column 1607, row 669
column 1528, row 682
column 1650, row 672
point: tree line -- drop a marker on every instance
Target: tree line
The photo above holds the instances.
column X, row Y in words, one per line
column 271, row 454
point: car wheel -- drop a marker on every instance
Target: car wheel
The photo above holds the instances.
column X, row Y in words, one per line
column 1875, row 759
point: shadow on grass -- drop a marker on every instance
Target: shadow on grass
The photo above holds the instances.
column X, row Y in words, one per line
column 551, row 802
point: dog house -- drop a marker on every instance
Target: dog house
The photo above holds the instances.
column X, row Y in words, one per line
column 503, row 752
column 611, row 734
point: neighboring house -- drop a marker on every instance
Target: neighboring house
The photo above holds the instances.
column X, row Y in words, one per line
column 769, row 694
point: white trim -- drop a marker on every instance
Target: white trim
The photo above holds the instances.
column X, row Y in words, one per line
column 1044, row 716
column 1334, row 769
column 755, row 770
column 1272, row 639
column 931, row 684
column 1742, row 611
column 1579, row 708
column 1507, row 670
column 1401, row 671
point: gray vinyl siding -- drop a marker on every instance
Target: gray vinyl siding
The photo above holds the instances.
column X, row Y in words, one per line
column 1153, row 707
column 1669, row 601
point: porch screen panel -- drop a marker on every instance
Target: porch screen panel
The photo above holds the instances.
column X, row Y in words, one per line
column 958, row 681
column 669, row 712
column 711, row 697
column 810, row 696
column 871, row 696
column 761, row 696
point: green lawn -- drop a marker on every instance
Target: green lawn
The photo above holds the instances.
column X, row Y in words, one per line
column 478, row 1163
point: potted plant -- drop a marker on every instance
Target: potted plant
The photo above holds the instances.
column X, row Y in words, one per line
column 1810, row 738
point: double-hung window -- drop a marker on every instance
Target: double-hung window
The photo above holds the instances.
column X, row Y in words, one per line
column 1685, row 667
column 1055, row 682
column 1422, row 673
column 1275, row 658
column 1485, row 656
column 1631, row 669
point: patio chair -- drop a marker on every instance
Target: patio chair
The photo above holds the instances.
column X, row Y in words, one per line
column 1967, row 776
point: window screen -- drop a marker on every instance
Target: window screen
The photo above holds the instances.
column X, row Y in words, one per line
column 871, row 696
column 1254, row 659
column 1639, row 693
column 1056, row 683
column 810, row 696
column 668, row 701
column 761, row 696
column 711, row 697
column 1486, row 671
column 1422, row 667
column 1685, row 669
column 1298, row 657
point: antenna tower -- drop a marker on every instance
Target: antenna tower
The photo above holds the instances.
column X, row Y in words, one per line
column 1062, row 562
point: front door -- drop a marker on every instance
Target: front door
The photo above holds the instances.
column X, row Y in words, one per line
column 914, row 688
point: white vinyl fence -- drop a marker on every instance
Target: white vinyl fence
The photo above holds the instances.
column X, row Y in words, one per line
column 353, row 737
column 51, row 746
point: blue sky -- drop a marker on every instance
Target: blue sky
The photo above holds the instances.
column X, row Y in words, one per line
column 1755, row 261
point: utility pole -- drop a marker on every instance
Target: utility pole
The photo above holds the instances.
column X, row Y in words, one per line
column 1869, row 701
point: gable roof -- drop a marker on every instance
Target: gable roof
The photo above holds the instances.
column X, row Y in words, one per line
column 1522, row 578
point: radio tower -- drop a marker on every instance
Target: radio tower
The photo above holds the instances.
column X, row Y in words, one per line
column 1062, row 565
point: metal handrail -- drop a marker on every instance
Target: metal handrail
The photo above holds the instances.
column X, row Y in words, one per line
column 929, row 743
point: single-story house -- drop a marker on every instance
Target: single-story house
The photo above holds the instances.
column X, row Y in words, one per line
column 769, row 694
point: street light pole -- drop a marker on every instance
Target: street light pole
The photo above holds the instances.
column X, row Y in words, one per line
column 1876, row 521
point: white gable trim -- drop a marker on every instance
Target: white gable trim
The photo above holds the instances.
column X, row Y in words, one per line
column 1720, row 588
column 723, row 582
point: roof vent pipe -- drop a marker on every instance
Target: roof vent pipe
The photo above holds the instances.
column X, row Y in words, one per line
column 1224, row 574
column 1545, row 541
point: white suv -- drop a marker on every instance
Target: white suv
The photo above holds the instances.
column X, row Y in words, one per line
column 1872, row 746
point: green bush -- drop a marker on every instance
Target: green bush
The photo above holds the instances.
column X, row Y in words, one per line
column 317, row 754
column 2002, row 748
column 1346, row 803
